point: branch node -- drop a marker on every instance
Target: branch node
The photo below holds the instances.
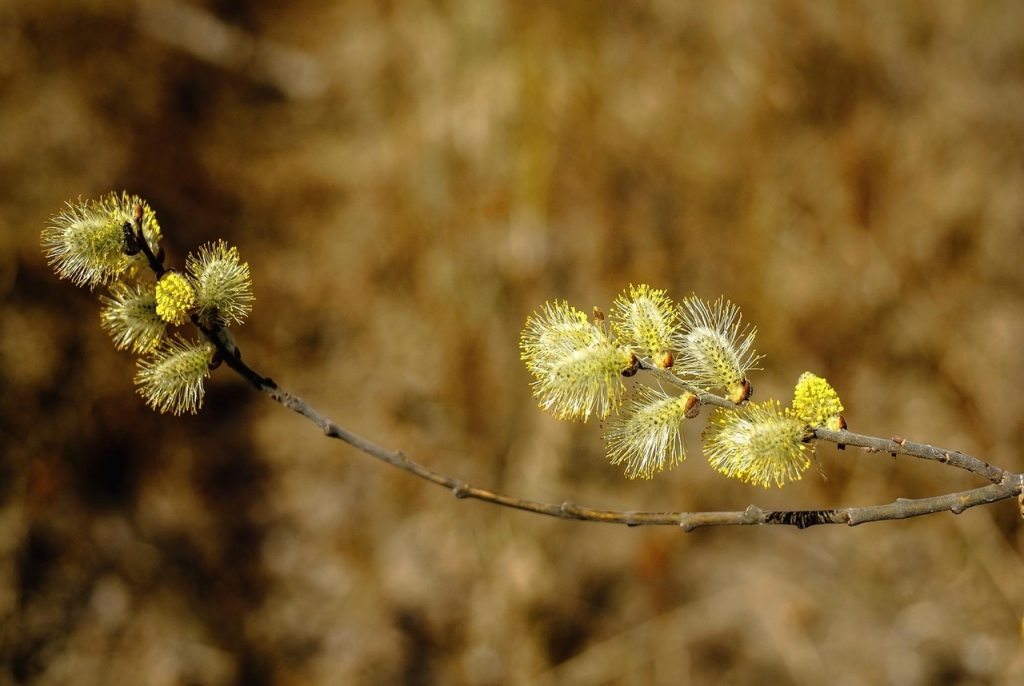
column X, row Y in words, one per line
column 460, row 490
column 945, row 458
column 570, row 508
column 898, row 440
column 630, row 518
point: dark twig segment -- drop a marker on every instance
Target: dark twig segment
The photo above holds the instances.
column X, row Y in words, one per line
column 140, row 242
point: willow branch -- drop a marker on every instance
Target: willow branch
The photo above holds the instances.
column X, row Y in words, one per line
column 893, row 446
column 1008, row 485
column 899, row 446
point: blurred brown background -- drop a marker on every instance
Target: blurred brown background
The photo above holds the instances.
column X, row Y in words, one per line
column 408, row 181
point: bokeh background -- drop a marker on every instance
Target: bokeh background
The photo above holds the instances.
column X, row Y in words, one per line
column 408, row 181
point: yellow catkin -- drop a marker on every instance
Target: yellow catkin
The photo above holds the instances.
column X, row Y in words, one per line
column 171, row 380
column 175, row 298
column 222, row 284
column 816, row 403
column 646, row 319
column 129, row 316
column 714, row 351
column 759, row 444
column 647, row 436
column 577, row 366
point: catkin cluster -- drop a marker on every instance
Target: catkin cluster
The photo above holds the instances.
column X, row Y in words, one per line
column 115, row 242
column 580, row 365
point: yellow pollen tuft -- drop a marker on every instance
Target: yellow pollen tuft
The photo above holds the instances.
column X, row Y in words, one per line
column 815, row 402
column 175, row 298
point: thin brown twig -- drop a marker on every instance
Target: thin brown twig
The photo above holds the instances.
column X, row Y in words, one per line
column 1007, row 486
column 899, row 446
column 894, row 446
